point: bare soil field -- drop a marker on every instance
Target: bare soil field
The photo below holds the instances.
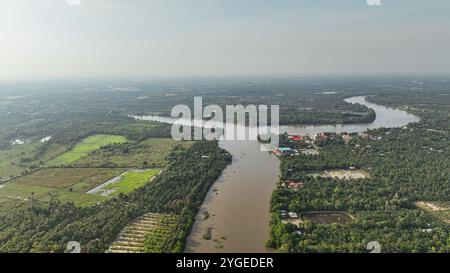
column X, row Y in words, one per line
column 346, row 174
column 439, row 209
column 432, row 206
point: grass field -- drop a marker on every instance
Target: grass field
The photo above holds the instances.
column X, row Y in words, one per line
column 153, row 152
column 77, row 179
column 65, row 184
column 79, row 198
column 17, row 159
column 72, row 184
column 14, row 195
column 7, row 204
column 52, row 151
column 22, row 192
column 85, row 147
column 132, row 180
column 10, row 159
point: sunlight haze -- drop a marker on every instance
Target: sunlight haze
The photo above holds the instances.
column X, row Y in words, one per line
column 116, row 38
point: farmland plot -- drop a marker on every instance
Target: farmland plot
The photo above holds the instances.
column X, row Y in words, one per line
column 151, row 233
column 85, row 147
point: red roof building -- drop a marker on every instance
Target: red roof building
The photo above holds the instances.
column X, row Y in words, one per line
column 296, row 138
column 294, row 185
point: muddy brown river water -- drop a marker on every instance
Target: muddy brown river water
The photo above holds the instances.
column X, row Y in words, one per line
column 239, row 201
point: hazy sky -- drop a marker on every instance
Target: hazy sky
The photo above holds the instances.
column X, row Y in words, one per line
column 172, row 38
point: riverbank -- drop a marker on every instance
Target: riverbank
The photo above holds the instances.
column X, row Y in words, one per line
column 408, row 167
column 239, row 202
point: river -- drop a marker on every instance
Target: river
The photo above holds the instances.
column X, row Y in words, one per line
column 239, row 202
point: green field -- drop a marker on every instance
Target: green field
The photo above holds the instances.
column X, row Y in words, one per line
column 10, row 159
column 149, row 153
column 22, row 192
column 70, row 184
column 7, row 204
column 78, row 179
column 65, row 184
column 132, row 180
column 79, row 198
column 85, row 147
column 17, row 159
column 86, row 160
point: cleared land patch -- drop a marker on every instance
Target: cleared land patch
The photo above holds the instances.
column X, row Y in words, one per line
column 65, row 184
column 65, row 178
column 79, row 198
column 149, row 153
column 295, row 222
column 439, row 209
column 433, row 206
column 125, row 182
column 326, row 218
column 344, row 174
column 20, row 192
column 151, row 233
column 85, row 147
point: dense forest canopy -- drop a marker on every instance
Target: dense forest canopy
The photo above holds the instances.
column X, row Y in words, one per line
column 406, row 165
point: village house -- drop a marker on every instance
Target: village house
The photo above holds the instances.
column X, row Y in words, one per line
column 285, row 151
column 364, row 135
column 293, row 215
column 309, row 152
column 295, row 138
column 426, row 230
column 320, row 136
column 294, row 185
